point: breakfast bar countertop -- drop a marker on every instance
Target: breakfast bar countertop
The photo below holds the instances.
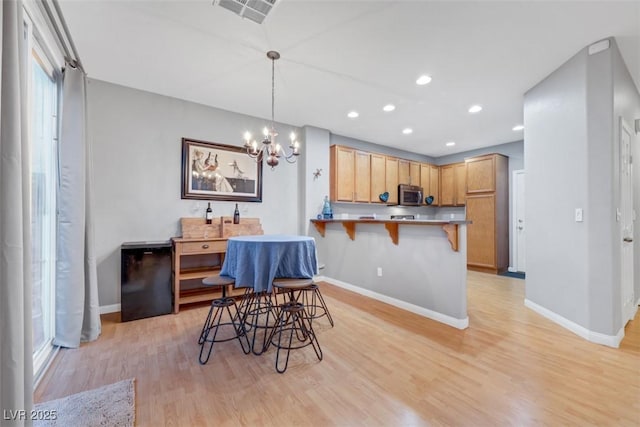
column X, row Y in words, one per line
column 450, row 227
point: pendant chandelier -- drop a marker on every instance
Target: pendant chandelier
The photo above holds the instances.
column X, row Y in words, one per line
column 270, row 149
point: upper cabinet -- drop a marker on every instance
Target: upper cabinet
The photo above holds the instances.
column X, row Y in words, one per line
column 404, row 172
column 434, row 184
column 481, row 174
column 342, row 176
column 453, row 184
column 391, row 179
column 363, row 177
column 408, row 172
column 350, row 175
column 430, row 182
column 378, row 177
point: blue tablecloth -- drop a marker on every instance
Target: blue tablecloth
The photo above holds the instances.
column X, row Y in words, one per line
column 254, row 261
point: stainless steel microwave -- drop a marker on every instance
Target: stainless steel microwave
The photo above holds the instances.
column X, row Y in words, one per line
column 409, row 195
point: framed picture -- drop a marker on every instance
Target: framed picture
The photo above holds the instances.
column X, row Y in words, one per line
column 213, row 171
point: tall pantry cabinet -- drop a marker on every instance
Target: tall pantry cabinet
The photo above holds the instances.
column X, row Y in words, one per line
column 488, row 210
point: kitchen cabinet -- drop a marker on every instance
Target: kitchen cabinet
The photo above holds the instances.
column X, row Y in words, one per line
column 453, row 184
column 430, row 182
column 414, row 173
column 362, row 183
column 434, row 184
column 408, row 172
column 487, row 201
column 350, row 175
column 391, row 179
column 404, row 172
column 481, row 174
column 342, row 177
column 460, row 177
column 378, row 177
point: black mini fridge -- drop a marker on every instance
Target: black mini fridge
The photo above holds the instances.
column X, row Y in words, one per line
column 145, row 285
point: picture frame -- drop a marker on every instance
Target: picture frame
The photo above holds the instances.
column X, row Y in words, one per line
column 212, row 171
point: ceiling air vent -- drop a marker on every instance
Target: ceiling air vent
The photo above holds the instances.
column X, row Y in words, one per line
column 255, row 10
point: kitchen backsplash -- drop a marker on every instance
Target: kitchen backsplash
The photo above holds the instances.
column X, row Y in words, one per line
column 355, row 210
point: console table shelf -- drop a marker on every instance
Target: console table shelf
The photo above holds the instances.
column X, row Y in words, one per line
column 392, row 226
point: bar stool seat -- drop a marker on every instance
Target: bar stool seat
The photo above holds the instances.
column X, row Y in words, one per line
column 309, row 294
column 213, row 322
column 292, row 321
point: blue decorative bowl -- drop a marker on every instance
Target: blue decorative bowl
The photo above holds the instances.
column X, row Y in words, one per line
column 384, row 196
column 428, row 200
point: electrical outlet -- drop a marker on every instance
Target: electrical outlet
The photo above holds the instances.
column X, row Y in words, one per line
column 379, row 271
column 578, row 214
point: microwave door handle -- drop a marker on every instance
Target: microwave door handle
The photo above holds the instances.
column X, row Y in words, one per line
column 419, row 197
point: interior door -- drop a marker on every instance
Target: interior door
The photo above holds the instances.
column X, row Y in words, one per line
column 520, row 226
column 626, row 223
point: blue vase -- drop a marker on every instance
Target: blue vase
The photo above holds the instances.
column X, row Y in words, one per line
column 327, row 213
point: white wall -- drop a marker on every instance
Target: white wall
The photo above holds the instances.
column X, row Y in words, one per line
column 571, row 162
column 136, row 139
column 556, row 183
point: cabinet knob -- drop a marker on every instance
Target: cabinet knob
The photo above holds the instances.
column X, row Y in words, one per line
column 205, row 246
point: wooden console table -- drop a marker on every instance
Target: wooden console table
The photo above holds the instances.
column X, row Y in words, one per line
column 449, row 227
column 200, row 252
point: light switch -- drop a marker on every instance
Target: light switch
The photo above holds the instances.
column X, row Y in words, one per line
column 578, row 214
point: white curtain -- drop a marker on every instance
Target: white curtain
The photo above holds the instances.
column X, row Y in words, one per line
column 77, row 306
column 16, row 359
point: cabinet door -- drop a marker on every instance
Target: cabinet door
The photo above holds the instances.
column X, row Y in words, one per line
column 447, row 185
column 434, row 185
column 460, row 180
column 363, row 176
column 391, row 179
column 481, row 235
column 481, row 174
column 404, row 172
column 414, row 173
column 342, row 174
column 425, row 179
column 378, row 185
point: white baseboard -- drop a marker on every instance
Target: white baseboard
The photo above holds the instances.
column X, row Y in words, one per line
column 113, row 308
column 595, row 337
column 512, row 269
column 434, row 315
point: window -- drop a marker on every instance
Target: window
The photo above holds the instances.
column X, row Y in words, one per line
column 43, row 85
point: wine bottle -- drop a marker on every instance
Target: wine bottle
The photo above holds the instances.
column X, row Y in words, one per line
column 236, row 215
column 209, row 213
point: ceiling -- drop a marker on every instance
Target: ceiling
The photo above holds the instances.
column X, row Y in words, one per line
column 339, row 56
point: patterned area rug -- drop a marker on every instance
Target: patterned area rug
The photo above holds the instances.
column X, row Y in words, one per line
column 110, row 405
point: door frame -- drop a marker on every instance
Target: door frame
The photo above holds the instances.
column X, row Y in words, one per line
column 514, row 220
column 626, row 317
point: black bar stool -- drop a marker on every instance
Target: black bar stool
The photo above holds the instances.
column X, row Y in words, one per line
column 213, row 323
column 292, row 321
column 258, row 315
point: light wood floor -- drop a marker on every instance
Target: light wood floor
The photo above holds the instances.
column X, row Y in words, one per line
column 382, row 367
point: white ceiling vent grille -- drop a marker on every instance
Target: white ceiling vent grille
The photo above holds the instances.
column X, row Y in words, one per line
column 255, row 10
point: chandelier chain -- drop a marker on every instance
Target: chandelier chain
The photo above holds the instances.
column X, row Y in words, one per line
column 273, row 92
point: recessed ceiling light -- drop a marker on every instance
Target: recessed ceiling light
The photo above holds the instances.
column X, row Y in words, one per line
column 353, row 114
column 475, row 109
column 423, row 80
column 517, row 127
column 450, row 144
column 407, row 131
column 389, row 107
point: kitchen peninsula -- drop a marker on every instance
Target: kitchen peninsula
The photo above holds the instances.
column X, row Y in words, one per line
column 422, row 268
